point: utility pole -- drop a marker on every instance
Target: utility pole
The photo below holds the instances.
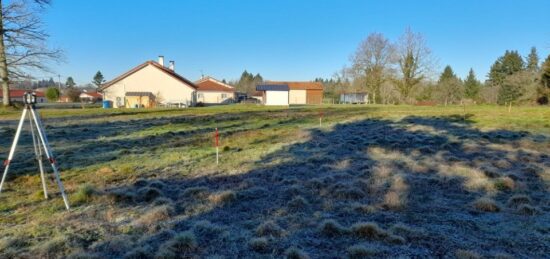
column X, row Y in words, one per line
column 59, row 82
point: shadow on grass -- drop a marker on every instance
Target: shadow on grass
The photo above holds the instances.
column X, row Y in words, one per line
column 418, row 180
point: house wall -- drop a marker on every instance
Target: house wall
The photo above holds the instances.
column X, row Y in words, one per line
column 150, row 79
column 276, row 97
column 314, row 97
column 297, row 97
column 215, row 97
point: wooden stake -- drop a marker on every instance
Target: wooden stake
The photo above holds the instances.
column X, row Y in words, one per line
column 217, row 138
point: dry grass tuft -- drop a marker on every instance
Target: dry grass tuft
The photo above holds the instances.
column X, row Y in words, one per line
column 369, row 230
column 269, row 228
column 297, row 203
column 84, row 194
column 466, row 254
column 139, row 252
column 348, row 193
column 149, row 193
column 223, row 197
column 526, row 209
column 259, row 244
column 486, row 204
column 155, row 215
column 121, row 195
column 504, row 184
column 393, row 201
column 179, row 246
column 196, row 192
column 330, row 227
column 517, row 200
column 395, row 239
column 361, row 251
column 365, row 209
column 296, row 253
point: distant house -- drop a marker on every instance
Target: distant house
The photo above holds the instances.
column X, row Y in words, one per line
column 91, row 97
column 16, row 95
column 289, row 93
column 354, row 98
column 148, row 85
column 212, row 91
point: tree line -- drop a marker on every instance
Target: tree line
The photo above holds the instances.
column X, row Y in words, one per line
column 404, row 72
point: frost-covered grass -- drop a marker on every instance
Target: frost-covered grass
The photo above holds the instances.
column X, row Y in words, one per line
column 378, row 181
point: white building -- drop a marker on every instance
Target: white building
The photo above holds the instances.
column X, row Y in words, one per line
column 148, row 85
column 212, row 91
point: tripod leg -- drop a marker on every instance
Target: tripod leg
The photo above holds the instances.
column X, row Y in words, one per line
column 13, row 146
column 38, row 153
column 49, row 155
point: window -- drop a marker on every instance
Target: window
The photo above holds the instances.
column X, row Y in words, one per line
column 224, row 96
column 201, row 95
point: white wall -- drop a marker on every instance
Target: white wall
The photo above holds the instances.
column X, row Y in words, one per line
column 215, row 97
column 150, row 79
column 297, row 97
column 276, row 97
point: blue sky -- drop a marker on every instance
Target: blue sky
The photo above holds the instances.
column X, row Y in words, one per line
column 282, row 40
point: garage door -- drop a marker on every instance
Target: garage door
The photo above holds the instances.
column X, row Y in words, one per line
column 276, row 97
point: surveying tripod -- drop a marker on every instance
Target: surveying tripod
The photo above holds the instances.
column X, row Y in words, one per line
column 40, row 143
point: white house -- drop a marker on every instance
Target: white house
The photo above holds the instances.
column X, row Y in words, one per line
column 212, row 91
column 148, row 85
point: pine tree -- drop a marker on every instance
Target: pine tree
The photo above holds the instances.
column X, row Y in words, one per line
column 504, row 66
column 533, row 60
column 98, row 79
column 471, row 86
column 70, row 82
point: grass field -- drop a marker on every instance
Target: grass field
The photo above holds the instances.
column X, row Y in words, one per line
column 372, row 181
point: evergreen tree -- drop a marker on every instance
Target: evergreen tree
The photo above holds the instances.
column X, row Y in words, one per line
column 504, row 66
column 70, row 82
column 533, row 60
column 98, row 79
column 545, row 75
column 543, row 90
column 471, row 86
column 449, row 86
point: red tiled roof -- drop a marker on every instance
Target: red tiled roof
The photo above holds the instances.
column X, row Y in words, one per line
column 16, row 93
column 298, row 85
column 211, row 84
column 155, row 64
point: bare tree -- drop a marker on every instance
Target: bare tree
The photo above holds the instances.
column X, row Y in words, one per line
column 415, row 62
column 372, row 61
column 22, row 42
